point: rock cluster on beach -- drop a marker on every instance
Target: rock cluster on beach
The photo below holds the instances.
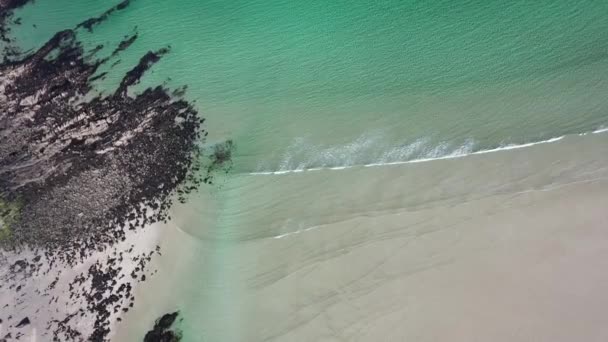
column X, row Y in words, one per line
column 79, row 171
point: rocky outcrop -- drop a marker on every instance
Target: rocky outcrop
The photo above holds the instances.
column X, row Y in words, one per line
column 162, row 330
column 78, row 170
column 81, row 166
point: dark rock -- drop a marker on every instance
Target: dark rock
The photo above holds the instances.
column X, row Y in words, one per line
column 124, row 152
column 6, row 12
column 91, row 22
column 161, row 332
column 167, row 320
column 82, row 166
column 23, row 323
column 123, row 45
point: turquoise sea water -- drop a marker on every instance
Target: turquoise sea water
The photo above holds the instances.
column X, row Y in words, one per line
column 320, row 84
column 305, row 85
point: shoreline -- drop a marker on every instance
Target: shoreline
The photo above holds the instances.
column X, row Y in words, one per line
column 164, row 291
column 422, row 160
column 102, row 140
column 263, row 276
column 86, row 171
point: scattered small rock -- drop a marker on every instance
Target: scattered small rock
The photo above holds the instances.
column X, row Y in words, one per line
column 23, row 323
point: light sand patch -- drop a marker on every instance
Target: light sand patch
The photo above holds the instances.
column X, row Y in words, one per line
column 496, row 247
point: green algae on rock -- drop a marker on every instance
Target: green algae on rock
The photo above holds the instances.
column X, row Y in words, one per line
column 9, row 215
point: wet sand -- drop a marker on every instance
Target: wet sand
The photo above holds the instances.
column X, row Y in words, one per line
column 505, row 246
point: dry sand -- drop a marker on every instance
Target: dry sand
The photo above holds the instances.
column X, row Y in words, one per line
column 43, row 303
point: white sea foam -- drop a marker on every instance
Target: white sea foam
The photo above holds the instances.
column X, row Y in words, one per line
column 348, row 156
column 301, row 230
column 601, row 129
column 439, row 152
column 516, row 146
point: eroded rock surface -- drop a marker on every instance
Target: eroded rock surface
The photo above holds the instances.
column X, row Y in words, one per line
column 79, row 172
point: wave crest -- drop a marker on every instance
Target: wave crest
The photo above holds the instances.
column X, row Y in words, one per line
column 372, row 150
column 366, row 152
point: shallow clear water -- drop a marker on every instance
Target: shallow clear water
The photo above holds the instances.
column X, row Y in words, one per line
column 315, row 84
column 321, row 84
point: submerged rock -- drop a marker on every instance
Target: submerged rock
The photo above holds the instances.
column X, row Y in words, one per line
column 161, row 331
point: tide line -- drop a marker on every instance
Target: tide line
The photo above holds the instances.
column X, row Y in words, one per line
column 597, row 131
column 412, row 161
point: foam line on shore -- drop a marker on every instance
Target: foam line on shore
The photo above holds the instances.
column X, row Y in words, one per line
column 412, row 161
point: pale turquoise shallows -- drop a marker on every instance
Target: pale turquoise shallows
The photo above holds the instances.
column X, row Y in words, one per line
column 318, row 83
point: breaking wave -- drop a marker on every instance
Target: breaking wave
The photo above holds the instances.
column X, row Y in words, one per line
column 369, row 151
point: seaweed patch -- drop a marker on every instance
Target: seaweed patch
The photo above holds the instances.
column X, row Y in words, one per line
column 79, row 172
column 82, row 168
column 162, row 332
column 92, row 22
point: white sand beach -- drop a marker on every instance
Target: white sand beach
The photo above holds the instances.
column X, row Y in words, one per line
column 360, row 171
column 45, row 292
column 505, row 246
